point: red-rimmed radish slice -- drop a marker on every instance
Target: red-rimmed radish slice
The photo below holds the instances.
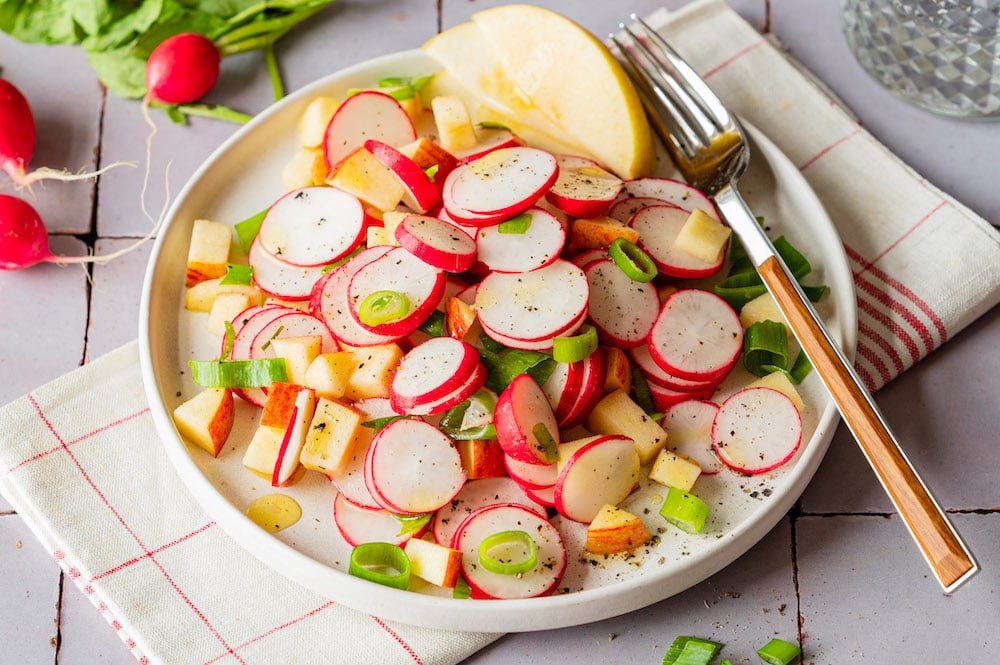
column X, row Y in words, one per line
column 431, row 371
column 666, row 398
column 689, row 432
column 350, row 480
column 400, row 272
column 490, row 520
column 477, row 494
column 626, row 206
column 658, row 228
column 312, row 226
column 420, row 194
column 538, row 246
column 489, row 139
column 436, row 242
column 583, row 188
column 593, row 472
column 501, row 184
column 675, row 192
column 658, row 376
column 287, row 461
column 369, row 114
column 561, row 388
column 279, row 278
column 586, row 256
column 697, row 336
column 531, row 476
column 593, row 373
column 329, row 301
column 533, row 306
column 243, row 342
column 622, row 309
column 525, row 423
column 412, row 467
column 291, row 324
column 363, row 524
column 756, row 430
column 543, row 495
column 455, row 397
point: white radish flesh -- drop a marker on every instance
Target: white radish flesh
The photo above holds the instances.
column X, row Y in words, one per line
column 502, row 183
column 531, row 476
column 251, row 322
column 280, row 278
column 521, row 414
column 603, row 470
column 313, row 226
column 489, row 139
column 437, row 242
column 430, row 371
column 658, row 376
column 622, row 309
column 593, row 373
column 350, row 480
column 583, row 188
column 536, row 248
column 329, row 301
column 363, row 524
column 689, row 432
column 625, row 207
column 366, row 115
column 697, row 336
column 674, row 192
column 455, row 397
column 476, row 494
column 666, row 398
column 401, row 272
column 658, row 227
column 756, row 430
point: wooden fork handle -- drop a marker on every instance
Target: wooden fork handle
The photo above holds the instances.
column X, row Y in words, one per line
column 935, row 536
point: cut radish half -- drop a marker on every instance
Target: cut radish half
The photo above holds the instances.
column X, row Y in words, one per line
column 420, row 193
column 329, row 301
column 476, row 494
column 431, row 371
column 531, row 476
column 583, row 188
column 455, row 397
column 490, row 520
column 366, row 115
column 533, row 306
column 525, row 424
column 412, row 467
column 400, row 272
column 593, row 373
column 501, row 184
column 436, row 242
column 362, row 524
column 622, row 309
column 350, row 480
column 756, row 430
column 593, row 472
column 312, row 226
column 689, row 432
column 626, row 206
column 538, row 246
column 279, row 278
column 697, row 336
column 658, row 228
column 675, row 192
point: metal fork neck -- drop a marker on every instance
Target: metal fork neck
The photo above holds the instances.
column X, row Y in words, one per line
column 735, row 210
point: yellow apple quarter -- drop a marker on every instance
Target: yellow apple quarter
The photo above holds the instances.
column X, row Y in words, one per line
column 207, row 419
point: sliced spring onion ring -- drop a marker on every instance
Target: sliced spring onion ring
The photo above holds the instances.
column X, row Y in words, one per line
column 546, row 441
column 237, row 273
column 632, row 260
column 684, row 510
column 257, row 373
column 575, row 347
column 515, row 225
column 431, row 171
column 382, row 307
column 383, row 563
column 505, row 539
column 765, row 348
column 247, row 230
column 778, row 652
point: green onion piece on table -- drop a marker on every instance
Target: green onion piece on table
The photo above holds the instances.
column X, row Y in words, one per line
column 257, row 373
column 516, row 225
column 383, row 563
column 687, row 650
column 382, row 307
column 778, row 652
column 575, row 347
column 684, row 510
column 519, row 553
column 632, row 260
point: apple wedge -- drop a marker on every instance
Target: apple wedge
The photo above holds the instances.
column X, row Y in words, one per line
column 615, row 530
column 207, row 419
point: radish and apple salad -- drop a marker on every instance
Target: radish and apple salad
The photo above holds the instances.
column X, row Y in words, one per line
column 469, row 336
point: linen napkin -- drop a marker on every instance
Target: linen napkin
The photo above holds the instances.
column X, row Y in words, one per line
column 81, row 463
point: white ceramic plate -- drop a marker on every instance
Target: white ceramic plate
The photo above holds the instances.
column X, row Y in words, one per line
column 243, row 177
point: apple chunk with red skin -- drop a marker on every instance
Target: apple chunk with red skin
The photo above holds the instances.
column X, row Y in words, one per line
column 434, row 563
column 207, row 419
column 615, row 530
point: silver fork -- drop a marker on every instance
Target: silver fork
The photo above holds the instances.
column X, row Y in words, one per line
column 710, row 148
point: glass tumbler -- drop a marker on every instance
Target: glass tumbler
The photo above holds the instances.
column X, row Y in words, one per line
column 942, row 55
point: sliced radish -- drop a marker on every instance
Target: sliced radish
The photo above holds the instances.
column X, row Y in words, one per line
column 350, row 480
column 420, row 194
column 287, row 461
column 476, row 494
column 412, row 467
column 756, row 430
column 533, row 306
column 655, row 374
column 291, row 324
column 536, row 248
column 489, row 520
column 658, row 227
column 363, row 524
column 455, row 397
column 329, row 301
column 689, row 432
column 279, row 278
column 622, row 309
column 697, row 336
column 501, row 184
column 430, row 371
column 675, row 192
column 369, row 114
column 561, row 388
column 666, row 398
column 531, row 476
column 401, row 272
column 313, row 226
column 525, row 423
column 546, row 496
column 593, row 373
column 583, row 188
column 437, row 242
column 626, row 206
column 489, row 139
column 586, row 256
column 593, row 472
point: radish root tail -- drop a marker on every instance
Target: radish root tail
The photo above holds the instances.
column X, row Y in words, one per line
column 45, row 173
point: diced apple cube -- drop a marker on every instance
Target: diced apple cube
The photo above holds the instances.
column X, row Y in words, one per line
column 703, row 237
column 459, row 317
column 377, row 235
column 208, row 252
column 314, row 119
column 675, row 470
column 390, row 220
column 330, row 373
column 428, row 154
column 302, row 305
column 206, row 419
column 617, row 413
column 199, row 297
column 262, row 452
column 280, row 404
column 330, row 439
column 364, row 176
column 298, row 352
column 779, row 381
column 225, row 308
column 372, row 371
column 481, row 458
column 306, row 168
column 615, row 530
column 599, row 232
column 434, row 563
column 455, row 129
column 619, row 370
column 761, row 308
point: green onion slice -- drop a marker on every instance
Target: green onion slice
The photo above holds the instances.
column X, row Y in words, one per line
column 778, row 652
column 378, row 423
column 247, row 230
column 632, row 260
column 575, row 347
column 434, row 325
column 462, row 590
column 257, row 373
column 687, row 650
column 765, row 348
column 227, row 341
column 383, row 563
column 684, row 510
column 490, row 124
column 431, row 171
column 640, row 388
column 237, row 273
column 382, row 307
column 546, row 442
column 519, row 556
column 800, row 369
column 515, row 225
column 411, row 524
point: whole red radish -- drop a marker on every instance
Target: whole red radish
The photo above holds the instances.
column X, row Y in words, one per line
column 182, row 69
column 17, row 131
